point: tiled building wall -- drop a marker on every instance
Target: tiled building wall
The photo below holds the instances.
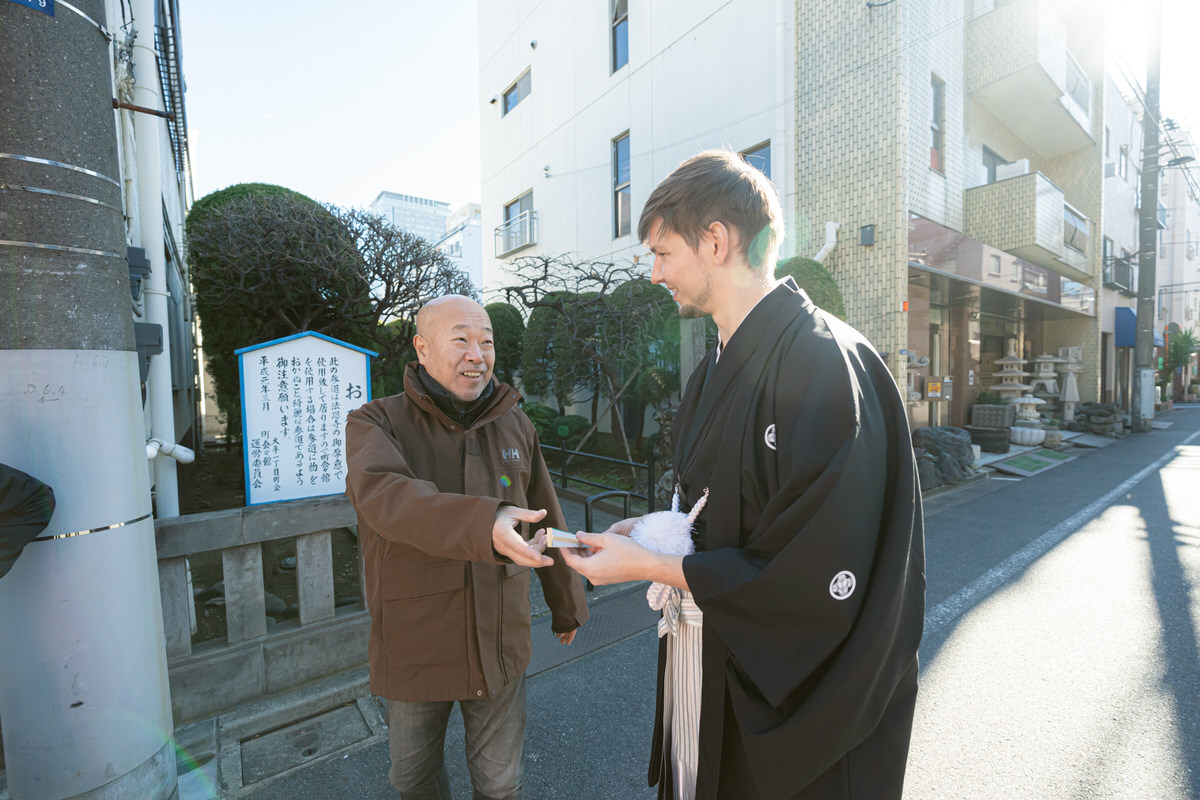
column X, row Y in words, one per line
column 1001, row 44
column 934, row 37
column 1002, row 214
column 863, row 145
column 852, row 146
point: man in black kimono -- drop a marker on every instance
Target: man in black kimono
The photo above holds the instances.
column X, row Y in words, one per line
column 809, row 562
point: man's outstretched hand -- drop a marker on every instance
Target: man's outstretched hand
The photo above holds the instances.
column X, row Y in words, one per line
column 508, row 543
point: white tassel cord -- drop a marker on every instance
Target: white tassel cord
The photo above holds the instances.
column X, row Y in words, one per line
column 667, row 532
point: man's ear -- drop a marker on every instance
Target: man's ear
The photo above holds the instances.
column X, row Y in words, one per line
column 421, row 346
column 718, row 235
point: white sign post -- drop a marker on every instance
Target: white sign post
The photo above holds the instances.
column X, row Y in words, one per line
column 296, row 393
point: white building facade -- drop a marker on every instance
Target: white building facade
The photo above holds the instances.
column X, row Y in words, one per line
column 1122, row 148
column 981, row 167
column 463, row 241
column 587, row 106
column 1178, row 270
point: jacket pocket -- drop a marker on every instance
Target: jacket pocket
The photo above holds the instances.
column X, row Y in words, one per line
column 422, row 580
column 513, row 570
column 424, row 616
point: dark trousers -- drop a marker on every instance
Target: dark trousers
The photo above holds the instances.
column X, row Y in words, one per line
column 495, row 741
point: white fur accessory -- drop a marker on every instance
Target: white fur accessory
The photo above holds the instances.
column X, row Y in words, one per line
column 667, row 532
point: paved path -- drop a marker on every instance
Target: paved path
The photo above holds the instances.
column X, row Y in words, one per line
column 591, row 704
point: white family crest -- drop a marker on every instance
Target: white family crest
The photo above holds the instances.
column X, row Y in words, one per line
column 769, row 436
column 842, row 585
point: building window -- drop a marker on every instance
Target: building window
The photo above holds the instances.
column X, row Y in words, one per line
column 990, row 161
column 1107, row 140
column 620, row 34
column 519, row 228
column 517, row 92
column 994, row 266
column 759, row 157
column 621, row 195
column 1123, row 163
column 937, row 126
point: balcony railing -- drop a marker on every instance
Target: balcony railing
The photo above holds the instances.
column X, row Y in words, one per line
column 1079, row 88
column 516, row 234
column 1028, row 216
column 1075, row 230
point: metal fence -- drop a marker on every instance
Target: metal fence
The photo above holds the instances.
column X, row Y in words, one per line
column 561, row 458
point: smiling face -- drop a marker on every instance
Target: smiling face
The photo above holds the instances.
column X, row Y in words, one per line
column 454, row 344
column 684, row 271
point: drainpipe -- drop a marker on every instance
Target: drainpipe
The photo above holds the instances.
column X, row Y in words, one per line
column 160, row 396
column 84, row 692
column 831, row 229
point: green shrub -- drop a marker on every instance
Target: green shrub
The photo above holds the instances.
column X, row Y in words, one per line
column 817, row 283
column 542, row 416
column 571, row 427
column 989, row 398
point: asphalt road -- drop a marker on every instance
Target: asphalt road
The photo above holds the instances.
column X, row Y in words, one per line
column 1061, row 656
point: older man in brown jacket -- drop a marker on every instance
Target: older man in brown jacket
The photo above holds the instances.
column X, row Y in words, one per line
column 441, row 475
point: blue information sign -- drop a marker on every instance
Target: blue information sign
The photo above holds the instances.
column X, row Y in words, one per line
column 45, row 6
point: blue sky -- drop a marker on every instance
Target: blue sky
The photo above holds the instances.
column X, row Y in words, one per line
column 341, row 101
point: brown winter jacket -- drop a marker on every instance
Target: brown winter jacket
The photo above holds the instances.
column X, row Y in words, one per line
column 449, row 619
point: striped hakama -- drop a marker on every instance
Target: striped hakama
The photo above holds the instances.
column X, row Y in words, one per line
column 682, row 624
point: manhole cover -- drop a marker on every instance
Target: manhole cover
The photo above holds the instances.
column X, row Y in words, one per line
column 300, row 742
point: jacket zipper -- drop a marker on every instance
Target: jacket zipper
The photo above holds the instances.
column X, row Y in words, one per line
column 500, row 590
column 500, row 639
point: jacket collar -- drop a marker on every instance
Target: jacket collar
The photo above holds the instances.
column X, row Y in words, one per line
column 502, row 397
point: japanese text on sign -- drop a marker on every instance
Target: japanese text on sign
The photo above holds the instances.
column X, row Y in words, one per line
column 296, row 393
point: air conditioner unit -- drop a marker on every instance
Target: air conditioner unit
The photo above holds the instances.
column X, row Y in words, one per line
column 1110, row 169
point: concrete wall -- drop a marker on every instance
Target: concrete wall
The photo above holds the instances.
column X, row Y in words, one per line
column 254, row 660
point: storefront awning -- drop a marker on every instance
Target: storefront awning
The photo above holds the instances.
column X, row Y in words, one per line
column 1125, row 328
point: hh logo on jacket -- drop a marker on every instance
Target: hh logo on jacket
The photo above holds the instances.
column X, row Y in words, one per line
column 510, row 454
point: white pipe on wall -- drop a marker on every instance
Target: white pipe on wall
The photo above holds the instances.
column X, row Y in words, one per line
column 831, row 229
column 184, row 455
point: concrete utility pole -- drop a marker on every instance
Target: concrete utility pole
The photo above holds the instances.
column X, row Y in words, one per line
column 1142, row 405
column 84, row 695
